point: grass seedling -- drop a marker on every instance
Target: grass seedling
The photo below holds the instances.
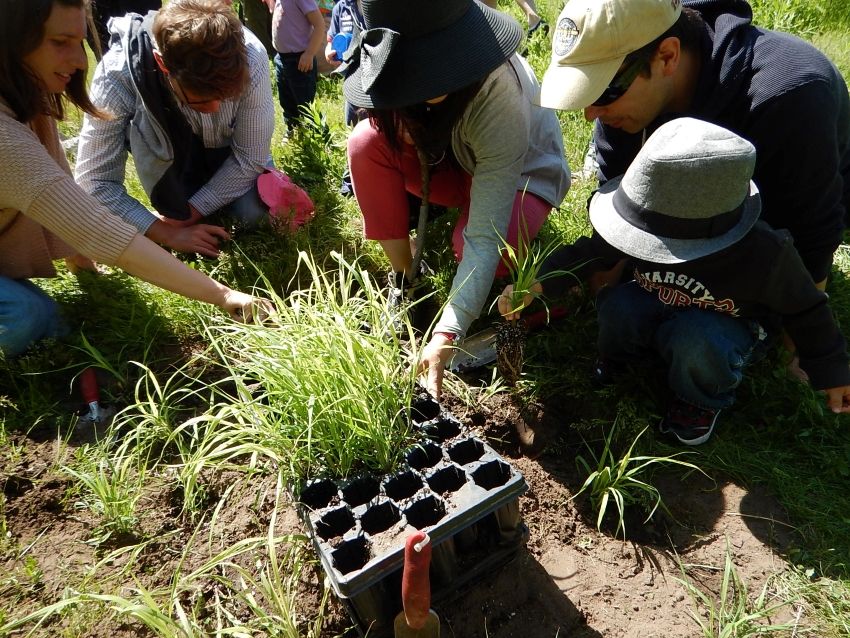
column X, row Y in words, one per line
column 732, row 614
column 270, row 595
column 524, row 263
column 111, row 491
column 622, row 481
column 823, row 603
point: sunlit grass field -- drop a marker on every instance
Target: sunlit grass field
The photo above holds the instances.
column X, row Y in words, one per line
column 152, row 349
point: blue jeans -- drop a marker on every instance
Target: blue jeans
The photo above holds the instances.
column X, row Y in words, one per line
column 705, row 351
column 27, row 315
column 294, row 88
column 248, row 209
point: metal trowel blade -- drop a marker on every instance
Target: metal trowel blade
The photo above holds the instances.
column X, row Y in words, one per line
column 475, row 351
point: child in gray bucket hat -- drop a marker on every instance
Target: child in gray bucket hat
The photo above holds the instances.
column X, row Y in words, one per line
column 711, row 282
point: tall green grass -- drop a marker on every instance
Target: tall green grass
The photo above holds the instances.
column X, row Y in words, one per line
column 326, row 376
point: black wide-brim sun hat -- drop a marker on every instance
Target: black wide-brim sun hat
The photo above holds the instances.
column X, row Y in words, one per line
column 414, row 50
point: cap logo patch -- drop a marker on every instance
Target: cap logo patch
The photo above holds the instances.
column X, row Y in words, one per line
column 566, row 34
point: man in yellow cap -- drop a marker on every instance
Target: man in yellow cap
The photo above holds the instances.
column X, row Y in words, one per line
column 633, row 65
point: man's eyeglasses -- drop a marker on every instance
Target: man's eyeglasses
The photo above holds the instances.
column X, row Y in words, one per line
column 181, row 94
column 621, row 82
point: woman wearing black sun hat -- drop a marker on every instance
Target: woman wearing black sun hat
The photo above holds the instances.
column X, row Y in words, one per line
column 445, row 91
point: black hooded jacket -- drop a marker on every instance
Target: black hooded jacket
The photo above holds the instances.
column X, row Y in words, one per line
column 760, row 277
column 790, row 102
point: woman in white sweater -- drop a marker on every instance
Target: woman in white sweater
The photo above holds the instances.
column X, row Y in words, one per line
column 44, row 215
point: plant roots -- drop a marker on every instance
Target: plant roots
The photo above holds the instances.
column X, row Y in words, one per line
column 510, row 350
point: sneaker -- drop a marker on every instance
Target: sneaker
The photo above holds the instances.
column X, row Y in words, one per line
column 346, row 188
column 687, row 423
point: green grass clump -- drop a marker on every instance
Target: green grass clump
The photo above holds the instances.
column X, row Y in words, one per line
column 326, row 376
column 732, row 613
column 111, row 491
column 623, row 481
column 246, row 602
column 804, row 18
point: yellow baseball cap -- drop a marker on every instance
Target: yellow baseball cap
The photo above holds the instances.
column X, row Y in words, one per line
column 592, row 38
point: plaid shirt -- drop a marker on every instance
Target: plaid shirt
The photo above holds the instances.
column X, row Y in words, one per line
column 245, row 124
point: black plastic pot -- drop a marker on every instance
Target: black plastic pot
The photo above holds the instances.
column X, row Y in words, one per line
column 454, row 486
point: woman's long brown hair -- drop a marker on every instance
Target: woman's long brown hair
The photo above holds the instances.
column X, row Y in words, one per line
column 21, row 32
column 429, row 125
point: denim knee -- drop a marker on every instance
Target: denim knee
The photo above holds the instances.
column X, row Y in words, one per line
column 628, row 316
column 27, row 315
column 706, row 353
column 248, row 210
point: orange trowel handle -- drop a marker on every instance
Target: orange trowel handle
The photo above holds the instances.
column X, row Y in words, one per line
column 88, row 386
column 415, row 582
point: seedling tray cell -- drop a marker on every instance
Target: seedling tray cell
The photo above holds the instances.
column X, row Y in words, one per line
column 453, row 485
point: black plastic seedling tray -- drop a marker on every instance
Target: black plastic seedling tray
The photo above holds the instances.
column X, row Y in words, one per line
column 453, row 486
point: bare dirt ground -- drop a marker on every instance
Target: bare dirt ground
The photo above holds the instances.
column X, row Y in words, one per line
column 570, row 579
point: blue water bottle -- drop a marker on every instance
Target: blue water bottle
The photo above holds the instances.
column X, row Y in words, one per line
column 340, row 44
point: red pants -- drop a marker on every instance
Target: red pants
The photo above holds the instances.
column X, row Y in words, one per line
column 382, row 177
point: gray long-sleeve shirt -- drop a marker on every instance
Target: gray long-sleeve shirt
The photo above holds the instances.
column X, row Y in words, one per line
column 507, row 144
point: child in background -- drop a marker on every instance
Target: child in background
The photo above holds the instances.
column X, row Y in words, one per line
column 298, row 33
column 345, row 18
column 326, row 8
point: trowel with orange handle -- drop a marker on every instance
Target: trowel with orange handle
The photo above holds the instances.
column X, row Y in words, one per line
column 417, row 619
column 97, row 414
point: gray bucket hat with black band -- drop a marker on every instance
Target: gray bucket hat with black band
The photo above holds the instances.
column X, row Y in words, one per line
column 687, row 194
column 414, row 50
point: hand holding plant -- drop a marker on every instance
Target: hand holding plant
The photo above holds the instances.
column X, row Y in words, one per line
column 245, row 308
column 507, row 303
column 432, row 363
column 524, row 264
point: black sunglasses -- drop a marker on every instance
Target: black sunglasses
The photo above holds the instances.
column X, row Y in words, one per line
column 621, row 82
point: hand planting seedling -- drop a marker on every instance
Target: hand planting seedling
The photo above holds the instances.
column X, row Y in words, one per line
column 524, row 264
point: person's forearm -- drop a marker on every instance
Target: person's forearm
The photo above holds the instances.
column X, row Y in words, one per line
column 146, row 260
column 318, row 39
column 159, row 232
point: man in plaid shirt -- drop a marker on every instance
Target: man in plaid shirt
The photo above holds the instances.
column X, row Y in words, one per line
column 187, row 91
